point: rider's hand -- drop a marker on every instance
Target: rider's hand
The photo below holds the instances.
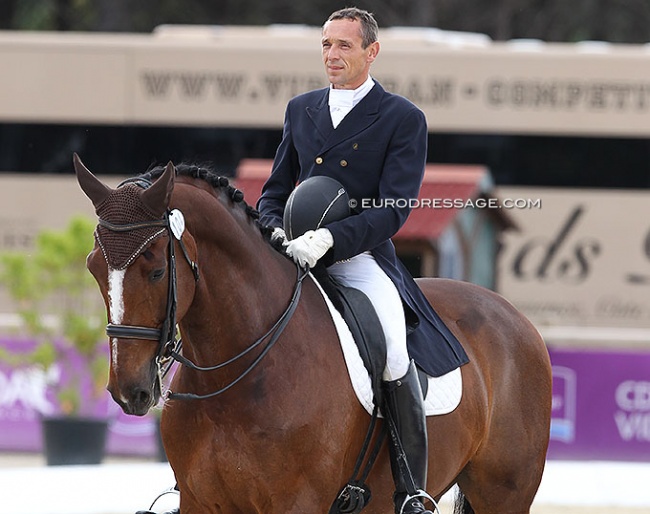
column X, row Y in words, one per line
column 311, row 246
column 278, row 236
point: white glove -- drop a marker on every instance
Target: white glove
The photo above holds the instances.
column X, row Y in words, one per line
column 278, row 235
column 311, row 246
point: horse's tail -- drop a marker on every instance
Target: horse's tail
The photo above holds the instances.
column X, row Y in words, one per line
column 461, row 505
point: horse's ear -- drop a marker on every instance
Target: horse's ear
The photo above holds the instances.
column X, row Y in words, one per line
column 90, row 184
column 158, row 196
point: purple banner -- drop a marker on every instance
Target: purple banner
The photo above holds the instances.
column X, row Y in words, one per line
column 601, row 405
column 28, row 393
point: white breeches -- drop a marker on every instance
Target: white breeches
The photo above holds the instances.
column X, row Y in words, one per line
column 362, row 272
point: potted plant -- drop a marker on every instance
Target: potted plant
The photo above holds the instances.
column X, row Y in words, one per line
column 63, row 321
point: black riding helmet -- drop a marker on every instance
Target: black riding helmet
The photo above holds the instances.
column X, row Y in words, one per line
column 313, row 204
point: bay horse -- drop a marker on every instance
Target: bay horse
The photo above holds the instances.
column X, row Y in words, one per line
column 180, row 246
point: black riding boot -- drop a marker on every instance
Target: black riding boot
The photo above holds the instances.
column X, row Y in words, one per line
column 406, row 407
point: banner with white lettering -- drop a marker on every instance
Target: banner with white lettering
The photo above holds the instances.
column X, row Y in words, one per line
column 28, row 394
column 601, row 405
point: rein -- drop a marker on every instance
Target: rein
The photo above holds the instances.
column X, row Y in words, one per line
column 275, row 332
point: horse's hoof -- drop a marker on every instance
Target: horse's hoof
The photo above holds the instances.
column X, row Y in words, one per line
column 145, row 512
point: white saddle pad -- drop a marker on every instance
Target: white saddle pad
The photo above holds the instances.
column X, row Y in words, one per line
column 444, row 392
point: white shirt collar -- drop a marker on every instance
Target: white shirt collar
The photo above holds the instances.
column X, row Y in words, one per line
column 347, row 98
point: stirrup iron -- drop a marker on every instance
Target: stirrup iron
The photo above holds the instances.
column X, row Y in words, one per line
column 171, row 490
column 419, row 494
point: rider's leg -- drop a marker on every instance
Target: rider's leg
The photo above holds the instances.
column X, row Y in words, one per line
column 405, row 404
column 404, row 397
column 362, row 272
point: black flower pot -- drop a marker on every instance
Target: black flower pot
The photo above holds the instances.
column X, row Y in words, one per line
column 69, row 440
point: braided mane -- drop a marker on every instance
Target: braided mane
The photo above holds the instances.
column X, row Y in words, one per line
column 208, row 175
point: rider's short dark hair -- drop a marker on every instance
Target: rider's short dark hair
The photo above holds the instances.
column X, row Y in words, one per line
column 369, row 27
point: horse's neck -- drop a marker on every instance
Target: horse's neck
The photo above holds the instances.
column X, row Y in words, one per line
column 243, row 290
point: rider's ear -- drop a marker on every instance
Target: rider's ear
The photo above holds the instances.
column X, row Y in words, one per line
column 158, row 196
column 95, row 190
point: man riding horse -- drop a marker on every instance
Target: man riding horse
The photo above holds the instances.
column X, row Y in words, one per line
column 374, row 143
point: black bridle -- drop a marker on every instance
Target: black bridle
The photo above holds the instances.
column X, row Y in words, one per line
column 169, row 346
column 166, row 335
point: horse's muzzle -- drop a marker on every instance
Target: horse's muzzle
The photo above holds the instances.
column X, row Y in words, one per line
column 136, row 400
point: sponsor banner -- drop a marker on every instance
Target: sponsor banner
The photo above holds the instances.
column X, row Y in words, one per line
column 28, row 393
column 582, row 259
column 601, row 408
column 601, row 405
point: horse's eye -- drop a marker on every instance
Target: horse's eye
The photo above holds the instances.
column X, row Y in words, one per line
column 157, row 274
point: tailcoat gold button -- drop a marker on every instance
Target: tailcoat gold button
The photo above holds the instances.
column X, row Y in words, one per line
column 319, row 160
column 344, row 163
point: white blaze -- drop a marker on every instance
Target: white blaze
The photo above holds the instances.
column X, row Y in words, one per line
column 116, row 298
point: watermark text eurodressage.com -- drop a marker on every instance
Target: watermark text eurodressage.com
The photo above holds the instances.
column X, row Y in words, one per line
column 447, row 203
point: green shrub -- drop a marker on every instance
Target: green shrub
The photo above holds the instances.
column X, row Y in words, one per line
column 60, row 308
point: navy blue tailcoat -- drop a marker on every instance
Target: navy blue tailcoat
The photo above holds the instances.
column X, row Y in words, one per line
column 378, row 152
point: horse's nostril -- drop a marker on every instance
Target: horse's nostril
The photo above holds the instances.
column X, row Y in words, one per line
column 141, row 397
